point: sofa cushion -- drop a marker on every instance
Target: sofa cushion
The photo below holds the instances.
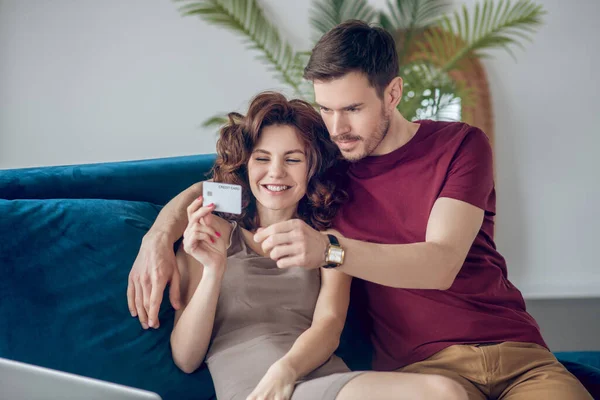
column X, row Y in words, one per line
column 588, row 376
column 64, row 266
column 585, row 365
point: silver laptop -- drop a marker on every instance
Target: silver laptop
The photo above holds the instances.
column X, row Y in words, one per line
column 19, row 381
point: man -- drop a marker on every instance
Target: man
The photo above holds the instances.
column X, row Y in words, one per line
column 418, row 232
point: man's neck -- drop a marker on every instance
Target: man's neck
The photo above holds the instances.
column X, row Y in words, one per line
column 401, row 131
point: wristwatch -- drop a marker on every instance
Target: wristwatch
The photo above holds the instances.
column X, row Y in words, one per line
column 334, row 254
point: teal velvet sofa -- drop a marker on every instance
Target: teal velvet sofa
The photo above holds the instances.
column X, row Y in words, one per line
column 68, row 238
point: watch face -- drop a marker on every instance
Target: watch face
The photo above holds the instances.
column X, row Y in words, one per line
column 336, row 255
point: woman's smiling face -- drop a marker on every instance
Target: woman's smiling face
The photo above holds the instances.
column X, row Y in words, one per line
column 278, row 171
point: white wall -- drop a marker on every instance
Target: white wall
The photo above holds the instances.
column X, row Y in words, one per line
column 547, row 140
column 91, row 81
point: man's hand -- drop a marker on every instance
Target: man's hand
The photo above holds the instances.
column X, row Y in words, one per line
column 154, row 267
column 293, row 244
column 277, row 384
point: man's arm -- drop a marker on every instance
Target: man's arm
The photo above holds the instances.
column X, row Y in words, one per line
column 433, row 264
column 172, row 219
column 155, row 263
column 453, row 225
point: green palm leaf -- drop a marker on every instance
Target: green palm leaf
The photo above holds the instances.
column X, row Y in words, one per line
column 216, row 120
column 493, row 26
column 305, row 88
column 326, row 14
column 246, row 18
column 411, row 14
column 406, row 18
column 432, row 44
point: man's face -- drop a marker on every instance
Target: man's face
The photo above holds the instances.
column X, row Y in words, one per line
column 355, row 116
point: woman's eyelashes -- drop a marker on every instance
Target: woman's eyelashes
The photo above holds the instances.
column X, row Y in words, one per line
column 288, row 160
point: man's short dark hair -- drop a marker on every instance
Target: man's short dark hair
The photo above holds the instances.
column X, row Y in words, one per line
column 354, row 46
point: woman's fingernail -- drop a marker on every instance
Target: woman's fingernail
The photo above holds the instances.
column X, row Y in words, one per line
column 150, row 323
column 212, row 240
column 210, row 205
column 144, row 326
column 218, row 234
column 199, row 198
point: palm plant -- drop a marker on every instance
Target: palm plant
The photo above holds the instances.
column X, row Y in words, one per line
column 435, row 44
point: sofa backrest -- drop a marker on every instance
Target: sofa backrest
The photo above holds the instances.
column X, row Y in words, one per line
column 155, row 180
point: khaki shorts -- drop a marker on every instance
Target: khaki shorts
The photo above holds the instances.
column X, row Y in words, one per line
column 507, row 371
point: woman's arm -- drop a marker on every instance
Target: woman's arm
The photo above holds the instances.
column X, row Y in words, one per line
column 201, row 267
column 194, row 321
column 316, row 344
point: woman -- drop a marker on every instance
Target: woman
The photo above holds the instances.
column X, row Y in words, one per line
column 270, row 333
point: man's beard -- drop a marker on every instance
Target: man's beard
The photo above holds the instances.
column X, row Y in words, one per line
column 374, row 140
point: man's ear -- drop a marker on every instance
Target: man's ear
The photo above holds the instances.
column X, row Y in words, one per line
column 394, row 93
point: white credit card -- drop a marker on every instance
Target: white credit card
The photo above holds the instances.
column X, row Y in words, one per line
column 227, row 197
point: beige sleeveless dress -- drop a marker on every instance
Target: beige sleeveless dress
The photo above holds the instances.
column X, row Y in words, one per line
column 261, row 311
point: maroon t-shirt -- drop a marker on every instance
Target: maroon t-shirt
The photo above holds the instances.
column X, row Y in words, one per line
column 391, row 197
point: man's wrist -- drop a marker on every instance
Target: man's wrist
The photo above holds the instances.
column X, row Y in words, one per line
column 326, row 247
column 158, row 237
column 334, row 253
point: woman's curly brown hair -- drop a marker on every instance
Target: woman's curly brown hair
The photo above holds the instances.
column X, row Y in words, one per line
column 326, row 168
